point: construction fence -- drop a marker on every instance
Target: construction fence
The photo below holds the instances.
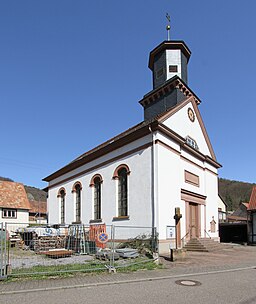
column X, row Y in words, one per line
column 48, row 249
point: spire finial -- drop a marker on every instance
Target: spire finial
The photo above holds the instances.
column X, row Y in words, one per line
column 168, row 26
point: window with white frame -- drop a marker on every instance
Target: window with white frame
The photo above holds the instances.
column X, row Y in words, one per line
column 191, row 142
column 9, row 213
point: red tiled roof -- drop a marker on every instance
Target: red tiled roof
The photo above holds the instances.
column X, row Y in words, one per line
column 38, row 207
column 252, row 202
column 13, row 195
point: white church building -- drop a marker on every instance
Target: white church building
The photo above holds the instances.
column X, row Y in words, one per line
column 141, row 177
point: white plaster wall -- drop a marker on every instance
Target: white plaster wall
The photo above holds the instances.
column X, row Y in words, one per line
column 173, row 57
column 170, row 142
column 139, row 189
column 221, row 205
column 211, row 189
column 169, row 177
column 181, row 124
column 192, row 168
column 105, row 158
column 196, row 161
column 22, row 217
column 209, row 167
column 171, row 166
column 22, row 220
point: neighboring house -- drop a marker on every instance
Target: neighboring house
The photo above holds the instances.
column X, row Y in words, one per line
column 234, row 229
column 252, row 217
column 38, row 212
column 222, row 209
column 140, row 176
column 14, row 204
column 240, row 214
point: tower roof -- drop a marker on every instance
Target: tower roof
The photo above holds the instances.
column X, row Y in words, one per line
column 169, row 45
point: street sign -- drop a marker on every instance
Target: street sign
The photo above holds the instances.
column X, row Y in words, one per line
column 103, row 238
column 170, row 232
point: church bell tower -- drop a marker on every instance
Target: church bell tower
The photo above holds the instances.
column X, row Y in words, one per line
column 168, row 59
column 168, row 63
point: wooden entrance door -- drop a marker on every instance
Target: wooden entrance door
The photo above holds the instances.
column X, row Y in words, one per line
column 193, row 220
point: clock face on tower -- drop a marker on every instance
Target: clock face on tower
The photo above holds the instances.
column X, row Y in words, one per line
column 191, row 114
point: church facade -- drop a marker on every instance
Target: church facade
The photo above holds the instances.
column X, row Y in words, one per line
column 160, row 173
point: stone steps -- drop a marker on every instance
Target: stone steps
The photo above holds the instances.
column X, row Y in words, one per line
column 204, row 245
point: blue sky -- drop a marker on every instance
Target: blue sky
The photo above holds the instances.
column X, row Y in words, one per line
column 72, row 73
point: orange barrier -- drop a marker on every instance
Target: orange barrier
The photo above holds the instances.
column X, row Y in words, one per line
column 95, row 231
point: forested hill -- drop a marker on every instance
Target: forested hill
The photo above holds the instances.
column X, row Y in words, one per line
column 234, row 192
column 35, row 194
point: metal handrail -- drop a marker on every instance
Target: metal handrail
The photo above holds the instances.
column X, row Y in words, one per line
column 207, row 234
column 183, row 239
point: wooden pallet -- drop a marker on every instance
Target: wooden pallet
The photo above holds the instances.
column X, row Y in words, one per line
column 56, row 254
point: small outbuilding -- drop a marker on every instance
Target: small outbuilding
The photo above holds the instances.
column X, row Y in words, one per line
column 252, row 217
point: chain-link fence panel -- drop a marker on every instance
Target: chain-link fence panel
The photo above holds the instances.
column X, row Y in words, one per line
column 134, row 245
column 50, row 249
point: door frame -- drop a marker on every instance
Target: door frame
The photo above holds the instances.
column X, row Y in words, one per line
column 196, row 233
column 199, row 200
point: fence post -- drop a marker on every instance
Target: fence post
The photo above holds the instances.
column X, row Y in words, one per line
column 1, row 249
column 112, row 256
column 155, row 246
column 3, row 255
column 6, row 250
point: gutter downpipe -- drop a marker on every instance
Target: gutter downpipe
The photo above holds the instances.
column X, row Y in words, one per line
column 154, row 230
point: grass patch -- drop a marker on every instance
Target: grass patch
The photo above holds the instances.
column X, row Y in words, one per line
column 148, row 265
column 70, row 270
column 59, row 268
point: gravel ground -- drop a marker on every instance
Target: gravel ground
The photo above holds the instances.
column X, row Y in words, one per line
column 25, row 259
column 28, row 259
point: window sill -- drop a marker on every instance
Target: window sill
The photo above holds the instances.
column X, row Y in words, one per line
column 121, row 218
column 95, row 221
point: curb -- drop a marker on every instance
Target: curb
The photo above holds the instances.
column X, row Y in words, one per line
column 124, row 281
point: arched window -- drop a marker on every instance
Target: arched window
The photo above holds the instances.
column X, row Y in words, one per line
column 78, row 202
column 191, row 142
column 96, row 183
column 122, row 192
column 62, row 195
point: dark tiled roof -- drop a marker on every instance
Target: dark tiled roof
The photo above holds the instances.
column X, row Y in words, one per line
column 13, row 195
column 252, row 202
column 241, row 211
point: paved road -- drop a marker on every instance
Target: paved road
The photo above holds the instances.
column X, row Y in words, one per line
column 217, row 287
column 226, row 276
